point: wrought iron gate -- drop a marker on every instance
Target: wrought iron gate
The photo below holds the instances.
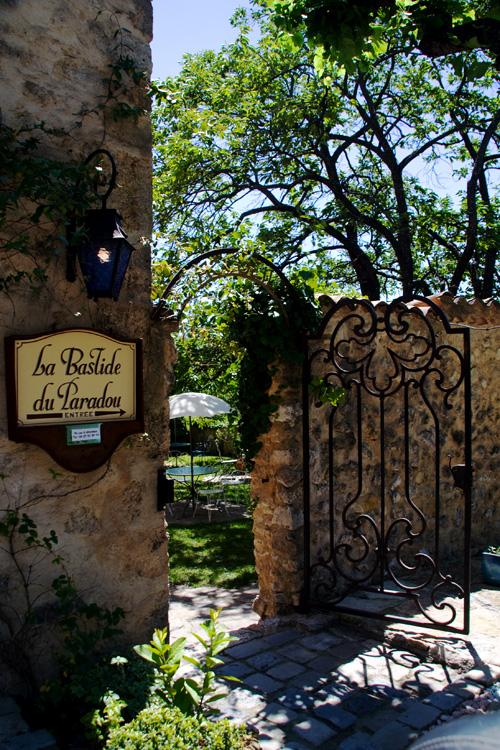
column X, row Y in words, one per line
column 387, row 473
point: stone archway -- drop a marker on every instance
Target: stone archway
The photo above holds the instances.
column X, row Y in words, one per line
column 262, row 272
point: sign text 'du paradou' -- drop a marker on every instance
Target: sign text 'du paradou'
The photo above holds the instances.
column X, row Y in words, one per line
column 74, row 375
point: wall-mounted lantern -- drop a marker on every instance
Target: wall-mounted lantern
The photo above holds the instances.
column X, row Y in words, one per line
column 103, row 252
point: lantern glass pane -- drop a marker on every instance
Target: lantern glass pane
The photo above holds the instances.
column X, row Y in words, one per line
column 104, row 264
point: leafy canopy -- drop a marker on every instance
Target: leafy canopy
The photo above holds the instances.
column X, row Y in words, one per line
column 357, row 32
column 254, row 149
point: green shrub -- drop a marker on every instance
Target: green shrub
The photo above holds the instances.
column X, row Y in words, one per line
column 192, row 695
column 163, row 727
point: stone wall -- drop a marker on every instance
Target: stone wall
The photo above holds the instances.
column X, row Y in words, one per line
column 278, row 480
column 55, row 67
column 278, row 488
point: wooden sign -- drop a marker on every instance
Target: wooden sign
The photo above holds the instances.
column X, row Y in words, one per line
column 76, row 393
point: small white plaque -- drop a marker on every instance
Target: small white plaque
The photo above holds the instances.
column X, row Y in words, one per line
column 83, row 434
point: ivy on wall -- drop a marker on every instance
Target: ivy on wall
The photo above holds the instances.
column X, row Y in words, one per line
column 270, row 336
column 38, row 197
column 41, row 196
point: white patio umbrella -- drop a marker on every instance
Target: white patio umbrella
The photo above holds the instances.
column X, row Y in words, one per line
column 196, row 405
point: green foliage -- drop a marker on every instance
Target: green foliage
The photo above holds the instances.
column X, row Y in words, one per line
column 255, row 150
column 39, row 196
column 83, row 694
column 269, row 335
column 194, row 696
column 85, row 626
column 164, row 727
column 325, row 393
column 493, row 550
column 173, row 697
column 353, row 33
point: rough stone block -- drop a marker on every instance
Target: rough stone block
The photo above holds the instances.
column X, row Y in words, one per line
column 379, row 719
column 313, row 731
column 267, row 743
column 361, row 703
column 335, row 692
column 335, row 715
column 243, row 650
column 8, row 706
column 281, row 637
column 320, row 642
column 325, row 663
column 264, row 660
column 39, row 740
column 309, row 680
column 236, row 669
column 261, row 682
column 465, row 688
column 485, row 676
column 298, row 653
column 394, row 735
column 270, row 732
column 296, row 698
column 12, row 724
column 358, row 741
column 241, row 704
column 285, row 671
column 279, row 714
column 386, row 692
column 420, row 716
column 444, row 700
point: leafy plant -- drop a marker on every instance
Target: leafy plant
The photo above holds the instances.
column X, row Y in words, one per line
column 492, row 550
column 39, row 196
column 165, row 727
column 325, row 393
column 176, row 697
column 349, row 32
column 269, row 335
column 193, row 696
column 85, row 626
column 328, row 173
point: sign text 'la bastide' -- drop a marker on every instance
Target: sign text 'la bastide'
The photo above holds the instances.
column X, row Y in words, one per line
column 74, row 376
column 79, row 377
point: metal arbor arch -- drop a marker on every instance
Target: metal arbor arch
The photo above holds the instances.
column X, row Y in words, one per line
column 195, row 261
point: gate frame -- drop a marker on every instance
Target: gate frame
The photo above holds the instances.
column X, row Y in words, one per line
column 462, row 474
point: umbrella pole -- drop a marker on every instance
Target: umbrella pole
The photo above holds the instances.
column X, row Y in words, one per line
column 191, row 451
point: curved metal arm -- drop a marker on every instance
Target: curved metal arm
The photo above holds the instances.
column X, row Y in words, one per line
column 112, row 180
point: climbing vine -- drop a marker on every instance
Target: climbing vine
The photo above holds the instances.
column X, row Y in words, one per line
column 34, row 599
column 270, row 335
column 38, row 197
column 41, row 194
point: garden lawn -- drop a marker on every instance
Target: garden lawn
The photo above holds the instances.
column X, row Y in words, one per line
column 212, row 554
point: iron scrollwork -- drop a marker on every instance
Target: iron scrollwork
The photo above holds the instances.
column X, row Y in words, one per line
column 390, row 358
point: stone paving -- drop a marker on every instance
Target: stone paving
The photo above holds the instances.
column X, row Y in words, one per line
column 332, row 686
column 15, row 734
column 319, row 683
column 334, row 690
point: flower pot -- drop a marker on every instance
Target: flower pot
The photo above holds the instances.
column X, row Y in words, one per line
column 490, row 568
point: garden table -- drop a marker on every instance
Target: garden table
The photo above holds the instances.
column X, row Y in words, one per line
column 188, row 473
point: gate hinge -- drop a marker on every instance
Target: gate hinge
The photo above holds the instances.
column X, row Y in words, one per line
column 462, row 476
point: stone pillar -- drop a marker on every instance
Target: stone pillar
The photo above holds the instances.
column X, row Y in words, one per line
column 277, row 484
column 56, row 68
